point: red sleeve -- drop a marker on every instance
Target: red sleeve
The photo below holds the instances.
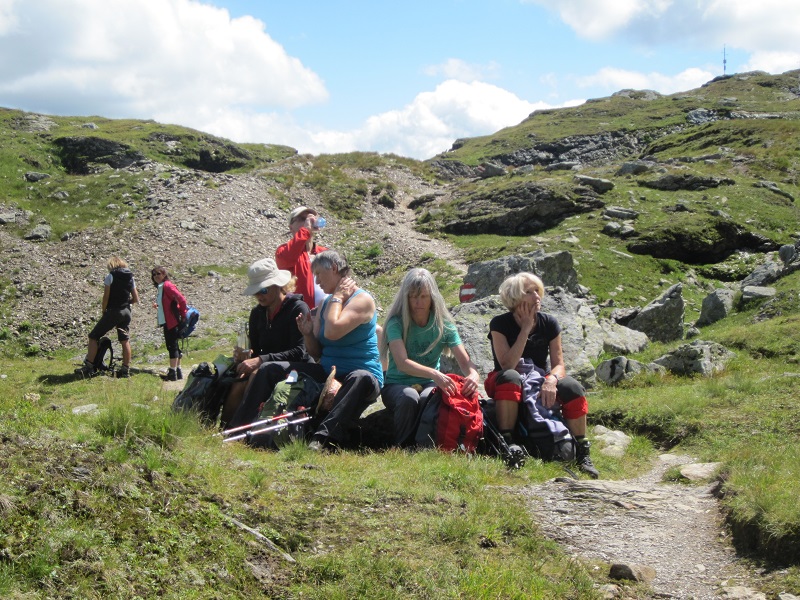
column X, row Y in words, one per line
column 287, row 255
column 173, row 295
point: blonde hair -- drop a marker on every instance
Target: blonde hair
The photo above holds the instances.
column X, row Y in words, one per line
column 512, row 290
column 115, row 262
column 290, row 286
column 414, row 283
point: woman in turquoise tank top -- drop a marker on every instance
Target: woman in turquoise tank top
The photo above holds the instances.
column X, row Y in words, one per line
column 343, row 334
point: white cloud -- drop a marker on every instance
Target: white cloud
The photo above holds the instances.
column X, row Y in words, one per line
column 765, row 25
column 434, row 120
column 773, row 62
column 454, row 68
column 144, row 59
column 599, row 19
column 425, row 127
column 613, row 79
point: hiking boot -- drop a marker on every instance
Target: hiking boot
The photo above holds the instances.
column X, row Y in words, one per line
column 171, row 375
column 87, row 370
column 178, row 374
column 516, row 457
column 316, row 446
column 582, row 459
column 123, row 372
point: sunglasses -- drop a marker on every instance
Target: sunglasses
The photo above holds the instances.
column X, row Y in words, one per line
column 262, row 291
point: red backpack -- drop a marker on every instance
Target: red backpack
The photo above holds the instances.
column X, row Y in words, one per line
column 451, row 422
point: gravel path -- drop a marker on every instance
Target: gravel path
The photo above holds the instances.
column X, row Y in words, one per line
column 675, row 529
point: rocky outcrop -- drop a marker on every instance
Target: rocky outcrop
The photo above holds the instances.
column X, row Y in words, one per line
column 85, row 155
column 521, row 209
column 662, row 319
column 698, row 358
column 699, row 240
column 556, row 269
column 685, row 181
column 621, row 368
column 716, row 306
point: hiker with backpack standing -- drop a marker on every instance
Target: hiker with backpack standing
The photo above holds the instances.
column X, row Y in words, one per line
column 171, row 306
column 272, row 330
column 417, row 331
column 119, row 294
column 521, row 341
column 295, row 255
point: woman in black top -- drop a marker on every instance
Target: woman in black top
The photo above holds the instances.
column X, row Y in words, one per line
column 273, row 332
column 523, row 340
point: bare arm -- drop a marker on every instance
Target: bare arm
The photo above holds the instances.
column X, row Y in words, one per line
column 413, row 368
column 468, row 368
column 557, row 371
column 134, row 296
column 508, row 356
column 106, row 294
column 342, row 317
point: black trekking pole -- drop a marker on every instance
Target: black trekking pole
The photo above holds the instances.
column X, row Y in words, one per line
column 252, row 433
column 286, row 415
column 513, row 458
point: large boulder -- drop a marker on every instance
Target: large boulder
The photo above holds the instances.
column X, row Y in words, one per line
column 618, row 339
column 700, row 357
column 662, row 319
column 556, row 269
column 716, row 306
column 621, row 368
column 763, row 275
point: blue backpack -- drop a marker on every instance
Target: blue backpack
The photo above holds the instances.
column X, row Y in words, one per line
column 187, row 326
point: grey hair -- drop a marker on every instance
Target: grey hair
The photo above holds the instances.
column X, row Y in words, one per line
column 415, row 282
column 329, row 259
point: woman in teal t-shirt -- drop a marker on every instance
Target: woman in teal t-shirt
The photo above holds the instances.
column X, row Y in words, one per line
column 417, row 331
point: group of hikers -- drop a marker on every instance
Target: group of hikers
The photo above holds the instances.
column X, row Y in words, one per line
column 312, row 318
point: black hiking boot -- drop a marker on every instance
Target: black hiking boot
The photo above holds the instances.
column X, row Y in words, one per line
column 87, row 370
column 171, row 375
column 582, row 459
column 123, row 372
column 178, row 374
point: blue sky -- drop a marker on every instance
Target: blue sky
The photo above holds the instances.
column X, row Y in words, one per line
column 407, row 77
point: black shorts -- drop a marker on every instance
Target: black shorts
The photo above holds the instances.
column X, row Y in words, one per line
column 119, row 318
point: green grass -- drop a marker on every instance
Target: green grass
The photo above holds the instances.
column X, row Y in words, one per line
column 132, row 500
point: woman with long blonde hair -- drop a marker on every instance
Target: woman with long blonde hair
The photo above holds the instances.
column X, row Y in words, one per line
column 417, row 331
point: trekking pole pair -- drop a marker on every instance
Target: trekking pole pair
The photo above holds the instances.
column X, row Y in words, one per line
column 281, row 422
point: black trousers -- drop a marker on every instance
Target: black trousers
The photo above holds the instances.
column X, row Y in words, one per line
column 359, row 389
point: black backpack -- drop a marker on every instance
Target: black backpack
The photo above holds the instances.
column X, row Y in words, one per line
column 205, row 390
column 104, row 359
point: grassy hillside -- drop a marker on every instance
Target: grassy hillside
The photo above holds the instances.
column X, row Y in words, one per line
column 133, row 501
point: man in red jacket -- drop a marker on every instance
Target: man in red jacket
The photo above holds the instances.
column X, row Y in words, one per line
column 295, row 255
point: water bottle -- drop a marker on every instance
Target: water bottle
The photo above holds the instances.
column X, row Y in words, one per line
column 243, row 340
column 320, row 223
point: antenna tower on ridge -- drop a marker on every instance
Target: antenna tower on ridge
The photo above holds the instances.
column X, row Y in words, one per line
column 724, row 61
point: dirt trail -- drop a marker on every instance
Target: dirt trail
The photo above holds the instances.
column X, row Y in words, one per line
column 675, row 529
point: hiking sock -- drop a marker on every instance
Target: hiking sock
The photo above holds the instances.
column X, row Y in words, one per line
column 507, row 436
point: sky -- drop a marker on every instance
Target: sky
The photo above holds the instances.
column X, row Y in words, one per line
column 407, row 77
